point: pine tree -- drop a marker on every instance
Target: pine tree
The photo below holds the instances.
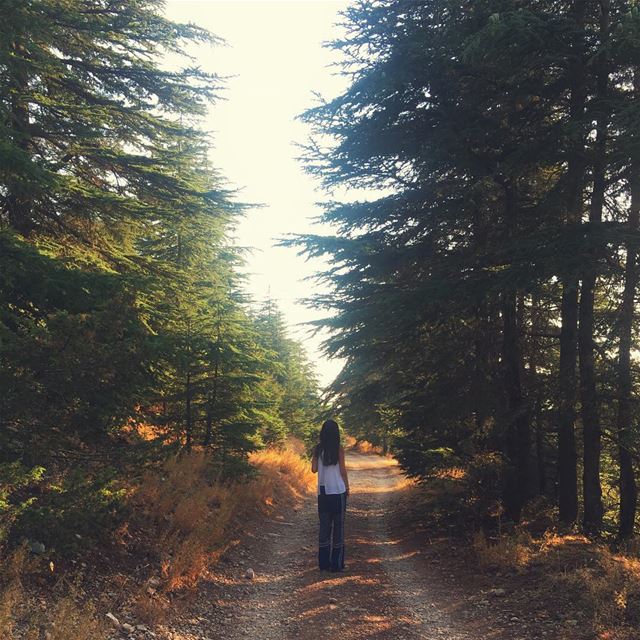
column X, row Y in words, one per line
column 498, row 140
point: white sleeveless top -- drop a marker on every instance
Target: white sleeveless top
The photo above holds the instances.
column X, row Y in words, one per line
column 330, row 477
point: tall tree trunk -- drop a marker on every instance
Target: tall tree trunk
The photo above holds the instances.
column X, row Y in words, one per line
column 517, row 437
column 188, row 413
column 213, row 398
column 481, row 366
column 567, row 457
column 628, row 490
column 484, row 349
column 536, row 388
column 593, row 508
column 518, row 445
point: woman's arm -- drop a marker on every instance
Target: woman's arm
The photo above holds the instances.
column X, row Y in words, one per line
column 343, row 469
column 314, row 461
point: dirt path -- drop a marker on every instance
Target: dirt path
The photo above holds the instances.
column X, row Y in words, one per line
column 386, row 592
column 397, row 585
column 381, row 594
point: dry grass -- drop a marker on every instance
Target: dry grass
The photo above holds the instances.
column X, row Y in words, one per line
column 66, row 617
column 349, row 441
column 188, row 512
column 571, row 576
column 72, row 621
column 362, row 446
column 192, row 511
column 150, row 607
column 450, row 473
column 588, row 579
column 11, row 591
column 508, row 552
column 601, row 584
column 185, row 515
column 284, row 474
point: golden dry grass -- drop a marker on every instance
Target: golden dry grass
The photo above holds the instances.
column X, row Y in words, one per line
column 586, row 580
column 71, row 621
column 11, row 591
column 349, row 441
column 603, row 584
column 65, row 618
column 149, row 607
column 362, row 446
column 596, row 583
column 450, row 473
column 508, row 552
column 192, row 511
column 188, row 515
column 285, row 474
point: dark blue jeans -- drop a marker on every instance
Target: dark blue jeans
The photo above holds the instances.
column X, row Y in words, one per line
column 331, row 511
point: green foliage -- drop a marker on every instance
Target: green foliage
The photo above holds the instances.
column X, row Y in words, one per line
column 498, row 145
column 294, row 387
column 79, row 509
column 120, row 298
column 14, row 501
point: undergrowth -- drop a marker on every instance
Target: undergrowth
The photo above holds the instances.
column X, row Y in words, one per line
column 182, row 515
column 362, row 446
column 584, row 580
column 192, row 509
column 66, row 617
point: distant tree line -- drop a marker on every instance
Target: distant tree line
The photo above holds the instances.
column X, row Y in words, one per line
column 121, row 302
column 485, row 286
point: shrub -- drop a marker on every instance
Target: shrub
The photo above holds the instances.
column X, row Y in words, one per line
column 507, row 552
column 14, row 479
column 71, row 620
column 72, row 510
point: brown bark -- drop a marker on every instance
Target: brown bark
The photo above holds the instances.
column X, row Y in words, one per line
column 188, row 412
column 517, row 442
column 592, row 433
column 213, row 396
column 628, row 489
column 536, row 387
column 567, row 457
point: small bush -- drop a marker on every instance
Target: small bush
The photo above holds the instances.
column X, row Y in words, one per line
column 189, row 509
column 72, row 510
column 70, row 620
column 150, row 607
column 14, row 479
column 364, row 446
column 507, row 552
column 483, row 479
column 283, row 473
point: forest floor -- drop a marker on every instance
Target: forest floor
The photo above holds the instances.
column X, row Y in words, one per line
column 399, row 582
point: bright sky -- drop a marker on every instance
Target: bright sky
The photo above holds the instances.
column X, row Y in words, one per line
column 277, row 61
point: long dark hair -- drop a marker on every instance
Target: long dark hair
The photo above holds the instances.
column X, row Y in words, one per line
column 329, row 446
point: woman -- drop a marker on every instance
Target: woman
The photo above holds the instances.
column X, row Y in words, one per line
column 333, row 489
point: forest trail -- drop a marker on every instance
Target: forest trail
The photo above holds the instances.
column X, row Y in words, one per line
column 388, row 591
